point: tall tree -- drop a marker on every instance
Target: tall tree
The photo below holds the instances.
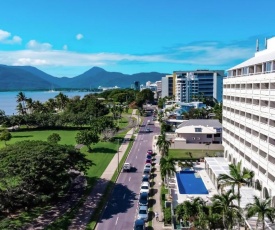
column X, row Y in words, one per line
column 87, row 137
column 61, row 100
column 237, row 177
column 262, row 209
column 21, row 98
column 163, row 144
column 224, row 204
column 167, row 167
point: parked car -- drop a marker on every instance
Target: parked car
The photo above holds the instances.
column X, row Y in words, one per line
column 139, row 224
column 145, row 178
column 148, row 166
column 145, row 187
column 143, row 198
column 148, row 161
column 149, row 156
column 150, row 151
column 143, row 213
column 146, row 172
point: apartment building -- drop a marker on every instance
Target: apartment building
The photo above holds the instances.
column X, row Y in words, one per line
column 167, row 86
column 249, row 117
column 189, row 85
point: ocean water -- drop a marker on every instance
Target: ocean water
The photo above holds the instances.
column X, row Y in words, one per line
column 8, row 99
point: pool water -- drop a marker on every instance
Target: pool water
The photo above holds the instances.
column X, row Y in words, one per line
column 190, row 183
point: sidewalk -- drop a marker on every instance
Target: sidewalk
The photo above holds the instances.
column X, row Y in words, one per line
column 85, row 213
column 157, row 225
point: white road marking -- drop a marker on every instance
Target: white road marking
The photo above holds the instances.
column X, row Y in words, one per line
column 136, row 156
column 129, row 178
column 117, row 220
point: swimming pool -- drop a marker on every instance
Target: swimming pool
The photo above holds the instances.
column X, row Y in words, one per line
column 190, row 183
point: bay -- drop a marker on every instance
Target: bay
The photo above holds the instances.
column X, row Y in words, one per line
column 8, row 99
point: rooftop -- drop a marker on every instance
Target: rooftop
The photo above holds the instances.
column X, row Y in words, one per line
column 201, row 122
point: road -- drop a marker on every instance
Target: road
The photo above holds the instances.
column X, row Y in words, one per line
column 121, row 210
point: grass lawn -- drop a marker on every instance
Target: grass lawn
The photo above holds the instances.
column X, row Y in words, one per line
column 67, row 136
column 196, row 153
column 101, row 155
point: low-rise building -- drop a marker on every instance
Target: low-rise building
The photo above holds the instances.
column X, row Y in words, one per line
column 198, row 134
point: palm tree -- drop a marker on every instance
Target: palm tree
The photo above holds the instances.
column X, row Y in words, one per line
column 262, row 208
column 61, row 100
column 163, row 144
column 21, row 98
column 51, row 105
column 236, row 177
column 192, row 209
column 167, row 167
column 224, row 203
column 29, row 105
column 20, row 109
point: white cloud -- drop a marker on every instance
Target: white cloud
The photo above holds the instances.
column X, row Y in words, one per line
column 79, row 36
column 203, row 54
column 65, row 47
column 6, row 38
column 34, row 45
column 30, row 61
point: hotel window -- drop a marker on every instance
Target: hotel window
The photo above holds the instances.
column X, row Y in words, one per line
column 259, row 68
column 209, row 136
column 265, row 85
column 271, row 159
column 272, row 85
column 272, row 123
column 245, row 71
column 268, row 66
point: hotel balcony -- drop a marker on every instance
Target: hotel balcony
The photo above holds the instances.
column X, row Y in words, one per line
column 271, row 149
column 272, row 111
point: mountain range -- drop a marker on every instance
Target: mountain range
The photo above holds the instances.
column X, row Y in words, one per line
column 31, row 78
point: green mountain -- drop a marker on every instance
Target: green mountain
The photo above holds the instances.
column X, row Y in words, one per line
column 31, row 78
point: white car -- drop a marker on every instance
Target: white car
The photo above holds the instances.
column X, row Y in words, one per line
column 148, row 166
column 143, row 213
column 145, row 187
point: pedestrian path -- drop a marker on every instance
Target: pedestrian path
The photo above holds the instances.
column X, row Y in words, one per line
column 157, row 224
column 85, row 213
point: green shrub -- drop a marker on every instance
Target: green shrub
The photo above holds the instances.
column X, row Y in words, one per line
column 167, row 216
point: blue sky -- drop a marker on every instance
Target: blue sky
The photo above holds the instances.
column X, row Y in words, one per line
column 68, row 37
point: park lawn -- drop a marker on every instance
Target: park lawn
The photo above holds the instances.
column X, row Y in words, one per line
column 67, row 136
column 101, row 155
column 196, row 153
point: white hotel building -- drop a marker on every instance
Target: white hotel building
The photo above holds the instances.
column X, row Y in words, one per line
column 249, row 117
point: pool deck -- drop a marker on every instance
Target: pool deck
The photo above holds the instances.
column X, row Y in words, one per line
column 178, row 198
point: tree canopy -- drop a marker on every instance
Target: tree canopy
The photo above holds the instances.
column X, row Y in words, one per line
column 35, row 172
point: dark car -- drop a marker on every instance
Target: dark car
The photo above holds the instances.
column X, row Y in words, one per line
column 148, row 161
column 139, row 224
column 143, row 198
column 149, row 156
column 150, row 151
column 145, row 178
column 146, row 172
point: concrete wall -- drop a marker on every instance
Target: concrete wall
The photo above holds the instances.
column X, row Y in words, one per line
column 197, row 137
column 183, row 145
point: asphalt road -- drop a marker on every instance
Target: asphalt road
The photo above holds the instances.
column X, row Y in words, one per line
column 121, row 210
